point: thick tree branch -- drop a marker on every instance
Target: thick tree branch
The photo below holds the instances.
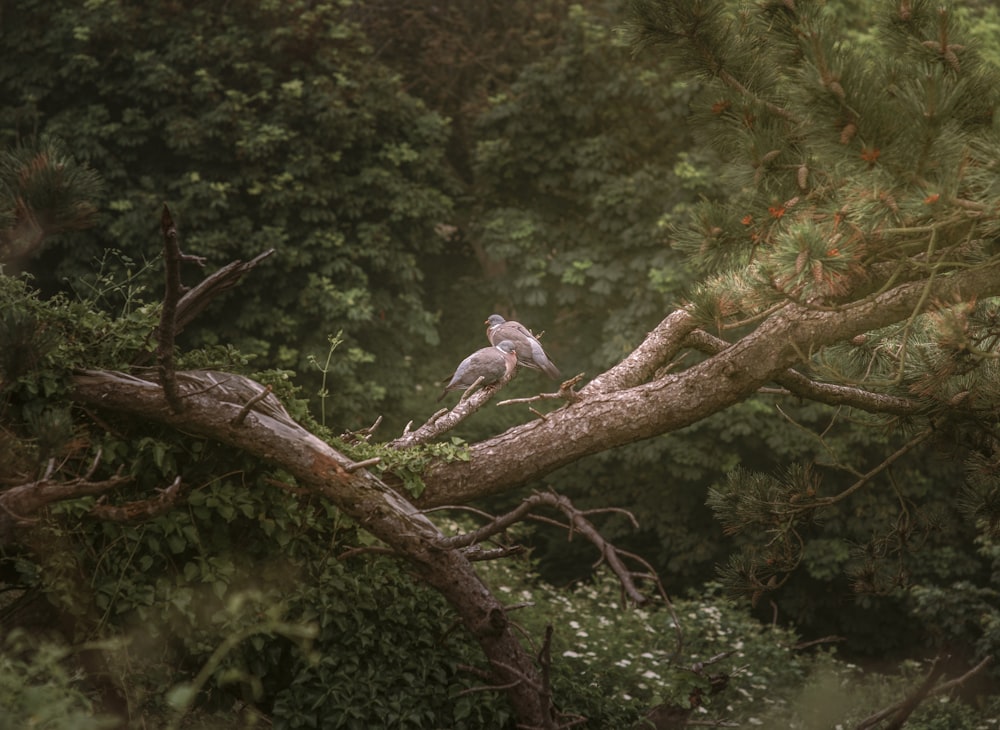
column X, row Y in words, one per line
column 606, row 418
column 210, row 412
column 829, row 393
column 655, row 351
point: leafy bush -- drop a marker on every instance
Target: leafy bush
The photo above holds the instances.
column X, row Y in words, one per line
column 38, row 690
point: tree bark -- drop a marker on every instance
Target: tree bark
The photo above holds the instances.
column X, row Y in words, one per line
column 621, row 407
column 209, row 411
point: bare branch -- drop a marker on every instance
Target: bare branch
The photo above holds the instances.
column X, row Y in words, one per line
column 166, row 332
column 658, row 348
column 478, row 554
column 363, row 434
column 17, row 504
column 578, row 522
column 364, row 464
column 245, row 410
column 873, row 472
column 565, row 392
column 925, row 689
column 196, row 299
column 445, row 420
column 145, row 509
column 824, row 640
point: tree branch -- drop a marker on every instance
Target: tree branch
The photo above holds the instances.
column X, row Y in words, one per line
column 167, row 330
column 17, row 504
column 145, row 509
column 656, row 350
column 196, row 299
column 358, row 493
column 904, row 708
column 445, row 420
column 578, row 522
column 605, row 418
column 829, row 393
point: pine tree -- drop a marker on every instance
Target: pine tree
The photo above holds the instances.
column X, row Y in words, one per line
column 856, row 164
column 43, row 192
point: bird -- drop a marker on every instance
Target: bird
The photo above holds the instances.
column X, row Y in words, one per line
column 491, row 363
column 529, row 350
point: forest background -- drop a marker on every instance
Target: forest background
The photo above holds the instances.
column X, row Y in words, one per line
column 416, row 167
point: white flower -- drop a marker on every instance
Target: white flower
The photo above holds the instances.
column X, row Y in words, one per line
column 650, row 674
column 582, row 634
column 574, row 624
column 646, row 655
column 755, row 721
column 571, row 654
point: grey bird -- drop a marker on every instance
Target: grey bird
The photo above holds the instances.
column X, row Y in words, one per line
column 529, row 350
column 491, row 363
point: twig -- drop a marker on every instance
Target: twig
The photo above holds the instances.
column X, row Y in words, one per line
column 565, row 392
column 795, row 383
column 825, row 640
column 488, row 688
column 577, row 523
column 363, row 434
column 478, row 554
column 373, row 549
column 351, row 468
column 240, row 417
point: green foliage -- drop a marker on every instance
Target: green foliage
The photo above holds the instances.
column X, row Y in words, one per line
column 407, row 466
column 785, row 234
column 236, row 594
column 263, row 125
column 632, row 661
column 579, row 161
column 278, row 124
column 38, row 690
column 43, row 191
column 241, row 595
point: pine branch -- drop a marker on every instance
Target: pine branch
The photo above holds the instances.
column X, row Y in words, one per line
column 832, row 394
